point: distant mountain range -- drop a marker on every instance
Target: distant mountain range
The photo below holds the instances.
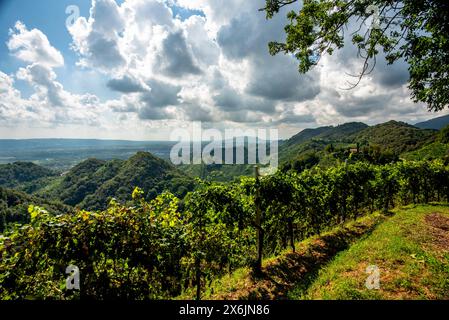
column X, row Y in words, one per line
column 89, row 184
column 63, row 154
column 435, row 123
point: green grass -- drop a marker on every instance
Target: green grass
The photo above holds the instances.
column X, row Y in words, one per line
column 281, row 272
column 411, row 253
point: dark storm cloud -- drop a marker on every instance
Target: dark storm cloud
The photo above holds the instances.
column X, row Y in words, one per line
column 249, row 33
column 229, row 99
column 153, row 102
column 240, row 38
column 177, row 59
column 103, row 52
column 279, row 79
column 391, row 76
column 363, row 106
column 243, row 116
column 162, row 94
column 126, row 84
column 274, row 78
column 291, row 118
column 196, row 112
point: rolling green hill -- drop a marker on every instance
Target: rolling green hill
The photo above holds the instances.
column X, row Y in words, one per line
column 305, row 135
column 439, row 149
column 93, row 182
column 327, row 146
column 25, row 176
column 82, row 180
column 434, row 150
column 395, row 136
column 314, row 140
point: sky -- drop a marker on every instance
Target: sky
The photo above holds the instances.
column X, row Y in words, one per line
column 139, row 69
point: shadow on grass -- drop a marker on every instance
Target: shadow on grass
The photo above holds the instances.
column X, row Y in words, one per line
column 297, row 270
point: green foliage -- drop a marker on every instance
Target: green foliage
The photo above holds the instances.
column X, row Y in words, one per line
column 435, row 150
column 415, row 31
column 329, row 146
column 93, row 182
column 26, row 176
column 130, row 253
column 443, row 135
column 305, row 161
column 14, row 207
column 398, row 137
column 83, row 179
column 159, row 248
column 217, row 172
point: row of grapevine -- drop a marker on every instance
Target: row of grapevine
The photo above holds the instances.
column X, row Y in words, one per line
column 159, row 249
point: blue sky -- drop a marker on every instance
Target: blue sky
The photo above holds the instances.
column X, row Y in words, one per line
column 46, row 15
column 50, row 16
column 137, row 69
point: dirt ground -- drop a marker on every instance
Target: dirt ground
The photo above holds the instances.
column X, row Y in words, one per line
column 438, row 229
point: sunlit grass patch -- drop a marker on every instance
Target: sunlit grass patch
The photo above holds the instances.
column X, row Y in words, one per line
column 410, row 266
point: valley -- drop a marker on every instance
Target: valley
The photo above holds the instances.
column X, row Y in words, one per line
column 193, row 230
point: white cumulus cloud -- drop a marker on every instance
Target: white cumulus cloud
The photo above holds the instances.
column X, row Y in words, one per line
column 33, row 46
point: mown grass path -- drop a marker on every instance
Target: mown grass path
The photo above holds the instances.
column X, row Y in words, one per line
column 411, row 251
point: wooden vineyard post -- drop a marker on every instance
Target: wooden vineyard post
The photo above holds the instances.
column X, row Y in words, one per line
column 259, row 218
column 198, row 277
column 291, row 232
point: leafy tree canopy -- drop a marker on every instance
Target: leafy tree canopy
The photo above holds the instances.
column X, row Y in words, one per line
column 413, row 30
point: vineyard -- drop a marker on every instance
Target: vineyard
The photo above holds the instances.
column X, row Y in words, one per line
column 158, row 249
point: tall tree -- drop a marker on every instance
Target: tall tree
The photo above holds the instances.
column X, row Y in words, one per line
column 414, row 30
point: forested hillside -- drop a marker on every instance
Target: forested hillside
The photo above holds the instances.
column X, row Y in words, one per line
column 435, row 123
column 379, row 144
column 397, row 137
column 93, row 182
column 438, row 149
column 14, row 207
column 317, row 139
column 25, row 176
